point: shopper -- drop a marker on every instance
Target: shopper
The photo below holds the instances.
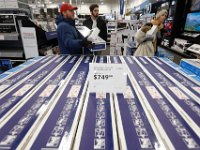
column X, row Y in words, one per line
column 159, row 20
column 69, row 39
column 147, row 44
column 96, row 21
column 144, row 43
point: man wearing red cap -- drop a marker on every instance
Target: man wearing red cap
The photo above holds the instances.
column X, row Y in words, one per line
column 69, row 39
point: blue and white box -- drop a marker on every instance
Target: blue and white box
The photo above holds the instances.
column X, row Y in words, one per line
column 92, row 35
column 192, row 65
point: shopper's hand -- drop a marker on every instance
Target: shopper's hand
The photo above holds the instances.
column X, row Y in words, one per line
column 90, row 46
column 87, row 44
column 146, row 27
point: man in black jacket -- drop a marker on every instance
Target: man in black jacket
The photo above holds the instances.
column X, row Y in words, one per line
column 96, row 21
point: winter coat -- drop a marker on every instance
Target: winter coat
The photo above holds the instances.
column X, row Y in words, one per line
column 69, row 38
column 145, row 44
column 101, row 24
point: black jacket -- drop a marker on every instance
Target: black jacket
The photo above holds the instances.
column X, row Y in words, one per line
column 101, row 24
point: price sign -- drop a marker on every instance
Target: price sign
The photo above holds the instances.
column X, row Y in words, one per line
column 29, row 41
column 102, row 77
column 107, row 78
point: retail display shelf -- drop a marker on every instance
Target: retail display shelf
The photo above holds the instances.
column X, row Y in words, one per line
column 174, row 50
column 48, row 105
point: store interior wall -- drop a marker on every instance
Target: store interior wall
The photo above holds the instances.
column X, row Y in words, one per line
column 103, row 9
column 130, row 4
column 109, row 7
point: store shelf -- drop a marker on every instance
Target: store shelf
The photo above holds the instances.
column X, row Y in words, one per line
column 52, row 106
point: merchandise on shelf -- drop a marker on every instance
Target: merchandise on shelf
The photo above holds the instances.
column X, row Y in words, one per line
column 192, row 65
column 47, row 105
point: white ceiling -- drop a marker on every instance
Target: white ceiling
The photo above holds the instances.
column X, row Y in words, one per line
column 76, row 2
column 92, row 1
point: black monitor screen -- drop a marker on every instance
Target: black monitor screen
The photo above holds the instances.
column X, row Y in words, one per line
column 192, row 22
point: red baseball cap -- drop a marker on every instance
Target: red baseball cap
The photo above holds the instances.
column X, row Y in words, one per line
column 66, row 6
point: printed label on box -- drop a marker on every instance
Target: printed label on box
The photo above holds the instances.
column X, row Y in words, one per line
column 128, row 94
column 197, row 89
column 74, row 91
column 153, row 92
column 3, row 87
column 23, row 90
column 48, row 91
column 100, row 95
column 178, row 93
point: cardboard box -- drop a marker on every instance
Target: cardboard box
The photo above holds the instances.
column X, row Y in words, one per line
column 100, row 44
column 192, row 65
column 92, row 35
column 195, row 48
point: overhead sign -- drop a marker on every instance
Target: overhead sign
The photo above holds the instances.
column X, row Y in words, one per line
column 143, row 5
column 107, row 78
column 121, row 7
